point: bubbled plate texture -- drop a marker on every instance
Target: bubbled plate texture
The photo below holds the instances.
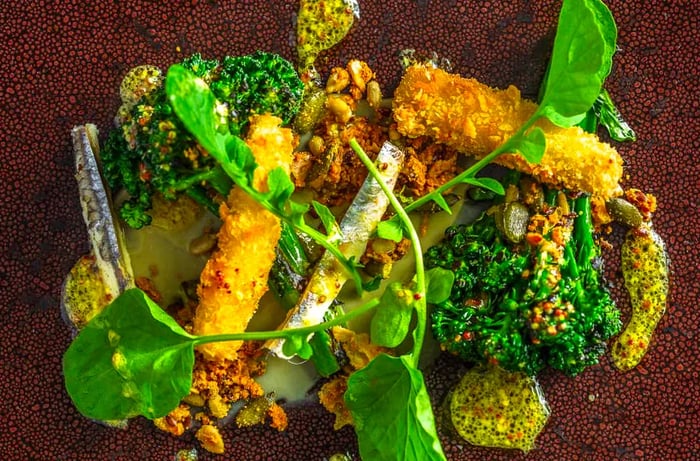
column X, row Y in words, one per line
column 62, row 62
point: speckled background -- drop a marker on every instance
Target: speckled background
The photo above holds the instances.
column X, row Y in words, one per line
column 61, row 63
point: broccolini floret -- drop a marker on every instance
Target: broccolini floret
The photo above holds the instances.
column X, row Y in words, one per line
column 526, row 306
column 151, row 151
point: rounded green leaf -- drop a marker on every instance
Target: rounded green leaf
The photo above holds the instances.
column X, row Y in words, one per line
column 131, row 359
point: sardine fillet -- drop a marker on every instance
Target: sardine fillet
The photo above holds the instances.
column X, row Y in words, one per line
column 475, row 118
column 235, row 277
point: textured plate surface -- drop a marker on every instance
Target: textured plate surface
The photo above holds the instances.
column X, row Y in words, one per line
column 62, row 62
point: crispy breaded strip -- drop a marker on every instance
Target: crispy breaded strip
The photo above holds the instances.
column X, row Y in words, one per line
column 474, row 119
column 235, row 277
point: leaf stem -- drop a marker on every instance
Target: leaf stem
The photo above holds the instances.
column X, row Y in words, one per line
column 287, row 333
column 473, row 169
column 322, row 239
column 421, row 307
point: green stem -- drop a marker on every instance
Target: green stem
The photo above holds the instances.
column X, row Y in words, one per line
column 320, row 238
column 472, row 171
column 420, row 305
column 278, row 334
column 197, row 179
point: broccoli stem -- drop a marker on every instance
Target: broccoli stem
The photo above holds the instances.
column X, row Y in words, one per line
column 582, row 235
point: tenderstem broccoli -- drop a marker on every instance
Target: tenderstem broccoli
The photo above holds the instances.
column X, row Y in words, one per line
column 151, row 151
column 525, row 306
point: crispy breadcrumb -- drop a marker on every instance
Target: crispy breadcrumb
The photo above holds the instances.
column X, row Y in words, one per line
column 235, row 277
column 210, row 437
column 359, row 351
column 277, row 416
column 474, row 119
column 357, row 346
column 331, row 397
column 645, row 203
column 176, row 422
column 220, row 383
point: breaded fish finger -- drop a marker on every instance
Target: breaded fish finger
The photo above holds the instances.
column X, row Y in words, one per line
column 475, row 118
column 235, row 277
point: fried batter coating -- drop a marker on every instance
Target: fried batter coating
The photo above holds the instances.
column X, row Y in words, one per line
column 235, row 277
column 474, row 119
column 359, row 352
column 210, row 438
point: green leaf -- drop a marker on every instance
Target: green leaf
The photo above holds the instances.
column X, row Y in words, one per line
column 392, row 318
column 305, row 351
column 292, row 345
column 239, row 162
column 296, row 212
column 581, row 60
column 292, row 249
column 327, row 218
column 439, row 284
column 390, row 229
column 391, row 410
column 372, row 284
column 194, row 103
column 486, row 183
column 323, row 358
column 280, row 187
column 131, row 359
column 608, row 115
column 297, row 344
column 531, row 145
column 439, row 199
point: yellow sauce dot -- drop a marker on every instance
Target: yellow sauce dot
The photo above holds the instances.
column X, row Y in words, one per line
column 84, row 293
column 138, row 82
column 320, row 25
column 491, row 407
column 645, row 270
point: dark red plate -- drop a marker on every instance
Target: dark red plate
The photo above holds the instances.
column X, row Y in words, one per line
column 61, row 65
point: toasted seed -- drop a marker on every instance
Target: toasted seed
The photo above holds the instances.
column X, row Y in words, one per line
column 339, row 108
column 316, row 145
column 624, row 212
column 515, row 220
column 338, row 80
column 374, row 94
column 360, row 74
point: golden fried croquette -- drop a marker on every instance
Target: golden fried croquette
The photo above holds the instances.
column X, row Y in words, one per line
column 474, row 119
column 235, row 277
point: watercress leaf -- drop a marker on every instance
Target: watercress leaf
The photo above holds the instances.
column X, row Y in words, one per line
column 581, row 59
column 610, row 117
column 131, row 359
column 439, row 284
column 372, row 284
column 390, row 229
column 280, row 187
column 439, row 199
column 292, row 345
column 486, row 183
column 194, row 104
column 391, row 410
column 589, row 123
column 327, row 218
column 239, row 162
column 392, row 318
column 305, row 351
column 323, row 358
column 531, row 145
column 296, row 212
